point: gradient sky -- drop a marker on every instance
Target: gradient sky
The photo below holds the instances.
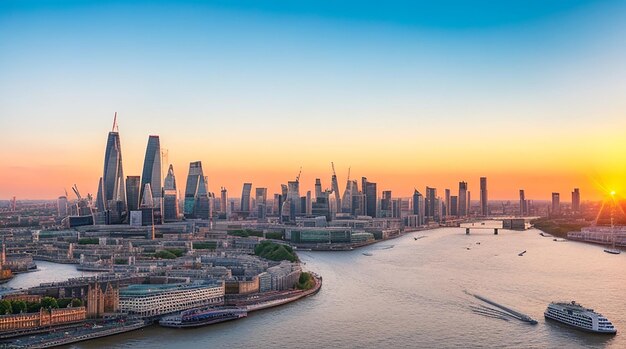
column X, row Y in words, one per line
column 531, row 94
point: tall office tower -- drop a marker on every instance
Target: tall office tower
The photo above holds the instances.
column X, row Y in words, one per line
column 346, row 200
column 463, row 208
column 359, row 204
column 293, row 196
column 14, row 203
column 321, row 206
column 224, row 201
column 100, row 197
column 132, row 192
column 113, row 187
column 62, row 206
column 418, row 207
column 334, row 183
column 386, row 205
column 454, row 204
column 371, row 199
column 245, row 198
column 309, row 203
column 431, row 203
column 556, row 204
column 170, row 196
column 523, row 210
column 484, row 205
column 152, row 169
column 364, row 185
column 260, row 198
column 447, row 209
column 469, row 202
column 318, row 187
column 202, row 208
column 276, row 205
column 283, row 191
column 195, row 190
column 396, row 208
column 147, row 200
column 576, row 200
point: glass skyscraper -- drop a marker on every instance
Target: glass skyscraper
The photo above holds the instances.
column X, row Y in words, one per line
column 152, row 169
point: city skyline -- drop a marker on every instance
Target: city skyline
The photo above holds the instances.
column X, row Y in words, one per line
column 258, row 91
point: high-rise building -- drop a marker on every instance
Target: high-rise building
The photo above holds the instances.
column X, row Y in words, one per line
column 454, row 204
column 309, row 203
column 396, row 208
column 224, row 208
column 346, row 200
column 523, row 208
column 371, row 199
column 293, row 198
column 431, row 203
column 152, row 169
column 576, row 200
column 260, row 199
column 113, row 188
column 170, row 197
column 132, row 192
column 463, row 208
column 245, row 198
column 447, row 210
column 62, row 206
column 335, row 187
column 386, row 204
column 556, row 204
column 418, row 207
column 469, row 202
column 196, row 195
column 484, row 204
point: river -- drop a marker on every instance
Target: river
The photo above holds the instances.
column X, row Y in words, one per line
column 413, row 295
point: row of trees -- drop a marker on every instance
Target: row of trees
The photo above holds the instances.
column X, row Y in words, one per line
column 18, row 306
column 275, row 252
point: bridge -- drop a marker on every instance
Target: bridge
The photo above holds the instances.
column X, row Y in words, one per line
column 483, row 225
column 515, row 223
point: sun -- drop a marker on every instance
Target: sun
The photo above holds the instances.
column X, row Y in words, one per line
column 612, row 192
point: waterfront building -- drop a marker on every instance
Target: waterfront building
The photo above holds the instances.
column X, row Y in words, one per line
column 418, row 207
column 396, row 208
column 556, row 204
column 62, row 207
column 453, row 205
column 484, row 204
column 152, row 169
column 431, row 204
column 147, row 300
column 293, row 197
column 132, row 192
column 371, row 198
column 242, row 285
column 386, row 205
column 463, row 207
column 224, row 208
column 42, row 318
column 283, row 276
column 245, row 198
column 100, row 302
column 576, row 200
column 523, row 204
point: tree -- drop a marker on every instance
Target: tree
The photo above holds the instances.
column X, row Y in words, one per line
column 18, row 306
column 77, row 302
column 5, row 307
column 49, row 302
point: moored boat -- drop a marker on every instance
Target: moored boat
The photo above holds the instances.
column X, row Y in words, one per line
column 202, row 317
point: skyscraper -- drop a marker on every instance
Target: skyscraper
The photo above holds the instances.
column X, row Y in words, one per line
column 523, row 209
column 152, row 169
column 62, row 206
column 446, row 211
column 335, row 187
column 261, row 202
column 418, row 207
column 132, row 192
column 113, row 188
column 556, row 204
column 469, row 202
column 386, row 205
column 576, row 200
column 431, row 203
column 484, row 205
column 170, row 196
column 196, row 192
column 454, row 202
column 293, row 199
column 463, row 208
column 224, row 209
column 245, row 198
column 371, row 199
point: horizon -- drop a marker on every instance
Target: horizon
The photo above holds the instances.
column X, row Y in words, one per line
column 410, row 95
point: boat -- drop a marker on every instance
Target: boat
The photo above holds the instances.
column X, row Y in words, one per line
column 577, row 316
column 367, row 254
column 202, row 317
column 521, row 253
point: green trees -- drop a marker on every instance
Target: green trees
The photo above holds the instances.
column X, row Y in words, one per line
column 305, row 282
column 275, row 252
column 49, row 302
column 205, row 245
column 19, row 307
column 5, row 307
column 88, row 241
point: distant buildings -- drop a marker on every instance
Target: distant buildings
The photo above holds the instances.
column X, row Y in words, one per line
column 260, row 199
column 152, row 170
column 111, row 189
column 132, row 192
column 523, row 204
column 196, row 196
column 170, row 197
column 245, row 198
column 576, row 200
column 62, row 207
column 418, row 207
column 431, row 205
column 556, row 204
column 484, row 204
column 371, row 198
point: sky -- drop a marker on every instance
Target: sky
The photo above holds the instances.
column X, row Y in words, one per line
column 530, row 94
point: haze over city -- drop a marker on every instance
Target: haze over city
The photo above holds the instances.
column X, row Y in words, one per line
column 528, row 94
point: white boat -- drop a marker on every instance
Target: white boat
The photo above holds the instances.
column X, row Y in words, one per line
column 575, row 315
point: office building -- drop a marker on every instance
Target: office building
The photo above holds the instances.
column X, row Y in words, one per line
column 523, row 204
column 371, row 199
column 196, row 204
column 245, row 198
column 62, row 207
column 463, row 207
column 152, row 169
column 454, row 202
column 431, row 204
column 418, row 207
column 386, row 209
column 112, row 195
column 170, row 197
column 446, row 211
column 132, row 192
column 260, row 199
column 576, row 200
column 556, row 204
column 484, row 204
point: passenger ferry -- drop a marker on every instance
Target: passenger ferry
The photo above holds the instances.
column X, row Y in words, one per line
column 202, row 317
column 575, row 315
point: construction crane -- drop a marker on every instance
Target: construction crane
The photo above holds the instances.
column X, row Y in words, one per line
column 75, row 189
column 299, row 173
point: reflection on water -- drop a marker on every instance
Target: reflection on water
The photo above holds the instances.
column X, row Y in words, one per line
column 413, row 295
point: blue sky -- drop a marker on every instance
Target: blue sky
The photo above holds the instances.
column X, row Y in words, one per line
column 248, row 77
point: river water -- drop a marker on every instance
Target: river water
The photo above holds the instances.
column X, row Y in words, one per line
column 415, row 295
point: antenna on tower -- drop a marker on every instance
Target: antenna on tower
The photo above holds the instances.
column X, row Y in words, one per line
column 115, row 128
